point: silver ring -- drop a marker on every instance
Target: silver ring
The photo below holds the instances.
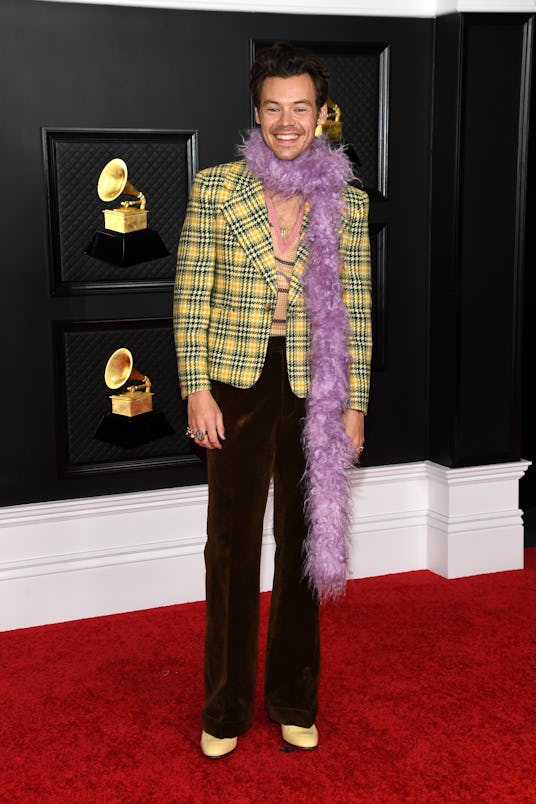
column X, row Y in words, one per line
column 199, row 434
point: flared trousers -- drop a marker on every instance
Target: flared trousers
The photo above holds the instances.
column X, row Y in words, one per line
column 263, row 441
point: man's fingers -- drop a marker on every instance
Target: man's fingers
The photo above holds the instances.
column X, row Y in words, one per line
column 205, row 420
column 219, row 425
column 215, row 432
column 213, row 440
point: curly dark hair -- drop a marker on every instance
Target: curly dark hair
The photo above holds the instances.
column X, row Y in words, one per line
column 285, row 60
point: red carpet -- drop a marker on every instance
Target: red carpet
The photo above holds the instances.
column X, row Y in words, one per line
column 428, row 695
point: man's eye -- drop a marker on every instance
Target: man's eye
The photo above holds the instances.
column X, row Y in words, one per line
column 301, row 109
column 273, row 108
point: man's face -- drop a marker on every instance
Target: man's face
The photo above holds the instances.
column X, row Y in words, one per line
column 288, row 116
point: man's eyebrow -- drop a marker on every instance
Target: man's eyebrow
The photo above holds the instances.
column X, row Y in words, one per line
column 308, row 102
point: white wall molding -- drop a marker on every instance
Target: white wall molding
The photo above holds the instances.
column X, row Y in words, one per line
column 474, row 519
column 357, row 8
column 103, row 555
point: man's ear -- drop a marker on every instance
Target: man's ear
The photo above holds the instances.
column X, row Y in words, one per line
column 257, row 119
column 322, row 115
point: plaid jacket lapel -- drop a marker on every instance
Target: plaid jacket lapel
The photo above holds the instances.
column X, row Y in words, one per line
column 246, row 215
column 295, row 287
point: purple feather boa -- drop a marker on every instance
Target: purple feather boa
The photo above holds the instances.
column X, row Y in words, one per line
column 320, row 174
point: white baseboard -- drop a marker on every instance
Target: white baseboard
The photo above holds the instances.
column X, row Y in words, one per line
column 104, row 555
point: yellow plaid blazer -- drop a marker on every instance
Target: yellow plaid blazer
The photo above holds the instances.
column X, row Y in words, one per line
column 225, row 288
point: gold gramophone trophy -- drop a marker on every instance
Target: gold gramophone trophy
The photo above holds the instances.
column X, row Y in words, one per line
column 137, row 398
column 132, row 421
column 129, row 216
column 126, row 238
column 332, row 129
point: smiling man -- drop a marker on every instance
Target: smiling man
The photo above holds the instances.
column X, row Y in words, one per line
column 288, row 114
column 273, row 339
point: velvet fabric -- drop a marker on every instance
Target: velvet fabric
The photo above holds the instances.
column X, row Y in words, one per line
column 263, row 439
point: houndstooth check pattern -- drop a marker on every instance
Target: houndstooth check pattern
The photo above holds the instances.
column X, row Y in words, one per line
column 225, row 288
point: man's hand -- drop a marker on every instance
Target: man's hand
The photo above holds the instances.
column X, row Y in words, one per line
column 354, row 427
column 205, row 415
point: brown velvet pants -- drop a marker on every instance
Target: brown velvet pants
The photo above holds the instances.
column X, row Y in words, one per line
column 263, row 429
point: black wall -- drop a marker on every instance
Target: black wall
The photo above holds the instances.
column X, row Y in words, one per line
column 90, row 67
column 479, row 178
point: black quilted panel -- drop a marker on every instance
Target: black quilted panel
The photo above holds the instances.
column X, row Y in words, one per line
column 159, row 167
column 359, row 85
column 354, row 86
column 86, row 349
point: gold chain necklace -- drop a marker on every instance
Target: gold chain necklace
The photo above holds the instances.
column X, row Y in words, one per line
column 288, row 221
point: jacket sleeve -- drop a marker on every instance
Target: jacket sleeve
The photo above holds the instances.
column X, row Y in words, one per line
column 193, row 286
column 356, row 279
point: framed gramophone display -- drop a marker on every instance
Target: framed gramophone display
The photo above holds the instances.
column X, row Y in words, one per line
column 358, row 118
column 116, row 200
column 125, row 238
column 358, row 107
column 132, row 420
column 119, row 403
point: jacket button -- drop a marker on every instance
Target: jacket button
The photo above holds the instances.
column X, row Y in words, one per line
column 268, row 307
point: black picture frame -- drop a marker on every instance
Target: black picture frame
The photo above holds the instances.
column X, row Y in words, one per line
column 82, row 350
column 359, row 84
column 161, row 164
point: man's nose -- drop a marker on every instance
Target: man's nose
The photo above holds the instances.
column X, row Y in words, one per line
column 286, row 116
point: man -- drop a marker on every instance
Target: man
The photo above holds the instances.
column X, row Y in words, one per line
column 272, row 306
